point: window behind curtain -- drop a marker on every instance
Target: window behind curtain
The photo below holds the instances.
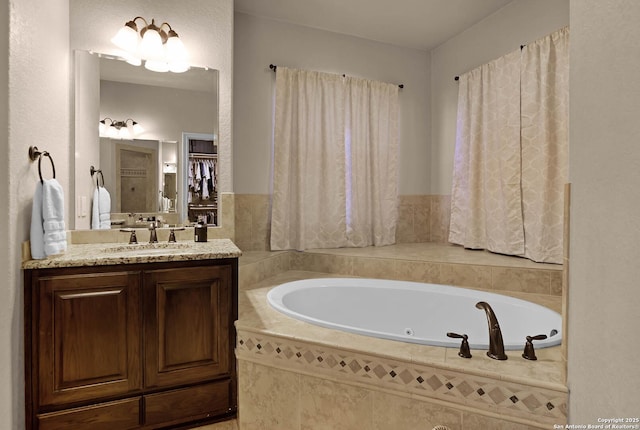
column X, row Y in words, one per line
column 335, row 161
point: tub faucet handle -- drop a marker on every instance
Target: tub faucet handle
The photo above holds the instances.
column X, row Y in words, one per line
column 529, row 353
column 464, row 346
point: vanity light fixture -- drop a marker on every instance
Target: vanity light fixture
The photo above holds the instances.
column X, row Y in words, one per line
column 159, row 46
column 119, row 129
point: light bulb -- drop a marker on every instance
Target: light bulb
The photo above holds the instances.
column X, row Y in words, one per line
column 127, row 38
column 113, row 131
column 102, row 128
column 124, row 133
column 178, row 67
column 175, row 48
column 156, row 65
column 162, row 51
column 137, row 128
column 131, row 59
column 151, row 46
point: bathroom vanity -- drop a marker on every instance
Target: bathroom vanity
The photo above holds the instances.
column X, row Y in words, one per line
column 131, row 336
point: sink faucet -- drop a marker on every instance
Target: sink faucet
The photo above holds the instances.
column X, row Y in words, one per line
column 153, row 238
column 496, row 345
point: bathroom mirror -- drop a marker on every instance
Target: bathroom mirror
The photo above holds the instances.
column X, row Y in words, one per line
column 146, row 173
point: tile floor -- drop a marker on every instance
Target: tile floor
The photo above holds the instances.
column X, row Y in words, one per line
column 225, row 425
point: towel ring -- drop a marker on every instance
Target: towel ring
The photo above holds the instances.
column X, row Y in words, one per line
column 36, row 154
column 94, row 171
column 53, row 166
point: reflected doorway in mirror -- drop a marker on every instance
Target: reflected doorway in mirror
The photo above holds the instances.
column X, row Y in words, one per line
column 201, row 178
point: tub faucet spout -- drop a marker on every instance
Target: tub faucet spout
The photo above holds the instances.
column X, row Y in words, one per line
column 496, row 345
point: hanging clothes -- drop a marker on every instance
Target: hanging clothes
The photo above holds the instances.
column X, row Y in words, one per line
column 202, row 179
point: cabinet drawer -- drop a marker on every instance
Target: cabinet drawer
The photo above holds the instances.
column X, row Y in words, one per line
column 188, row 403
column 122, row 415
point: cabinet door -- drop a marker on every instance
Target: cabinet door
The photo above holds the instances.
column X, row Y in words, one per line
column 187, row 322
column 88, row 336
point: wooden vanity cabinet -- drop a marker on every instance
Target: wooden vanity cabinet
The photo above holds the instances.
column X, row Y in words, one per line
column 135, row 346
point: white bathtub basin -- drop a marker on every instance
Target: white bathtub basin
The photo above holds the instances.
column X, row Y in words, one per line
column 414, row 312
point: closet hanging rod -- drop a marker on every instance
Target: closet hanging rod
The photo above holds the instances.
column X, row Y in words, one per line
column 274, row 67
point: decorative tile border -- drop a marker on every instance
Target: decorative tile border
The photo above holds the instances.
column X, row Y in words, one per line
column 481, row 393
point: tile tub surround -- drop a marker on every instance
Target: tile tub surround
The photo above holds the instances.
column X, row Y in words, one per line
column 473, row 393
column 421, row 218
column 421, row 262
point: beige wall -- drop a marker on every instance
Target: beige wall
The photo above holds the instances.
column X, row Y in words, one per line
column 259, row 42
column 86, row 108
column 10, row 342
column 38, row 114
column 519, row 22
column 604, row 291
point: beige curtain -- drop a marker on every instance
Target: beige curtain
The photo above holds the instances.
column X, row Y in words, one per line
column 308, row 206
column 545, row 144
column 372, row 154
column 335, row 161
column 486, row 200
column 511, row 156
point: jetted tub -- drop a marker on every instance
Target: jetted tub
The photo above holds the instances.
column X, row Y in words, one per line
column 414, row 312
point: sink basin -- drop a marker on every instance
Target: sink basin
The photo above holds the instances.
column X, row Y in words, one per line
column 145, row 249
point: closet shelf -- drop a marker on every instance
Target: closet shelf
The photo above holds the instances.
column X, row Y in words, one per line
column 202, row 155
column 203, row 207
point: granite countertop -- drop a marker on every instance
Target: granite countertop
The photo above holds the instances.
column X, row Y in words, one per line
column 105, row 254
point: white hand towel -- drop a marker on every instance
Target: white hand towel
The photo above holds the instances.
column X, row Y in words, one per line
column 95, row 210
column 105, row 208
column 55, row 235
column 101, row 210
column 36, row 238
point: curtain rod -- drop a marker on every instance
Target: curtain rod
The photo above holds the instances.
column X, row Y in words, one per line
column 274, row 67
column 457, row 78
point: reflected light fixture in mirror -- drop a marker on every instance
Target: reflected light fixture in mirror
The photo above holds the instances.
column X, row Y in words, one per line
column 119, row 129
column 161, row 49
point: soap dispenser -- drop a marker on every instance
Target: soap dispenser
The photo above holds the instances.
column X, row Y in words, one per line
column 200, row 232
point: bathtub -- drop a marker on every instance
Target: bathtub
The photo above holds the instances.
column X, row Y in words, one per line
column 414, row 312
